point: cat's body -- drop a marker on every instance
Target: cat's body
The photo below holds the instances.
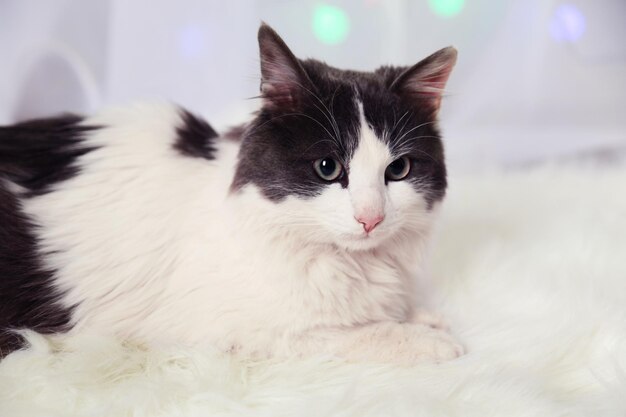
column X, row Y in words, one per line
column 144, row 223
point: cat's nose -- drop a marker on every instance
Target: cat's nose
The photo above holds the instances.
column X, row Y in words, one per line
column 370, row 222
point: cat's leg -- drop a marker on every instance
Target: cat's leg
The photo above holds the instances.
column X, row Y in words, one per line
column 389, row 342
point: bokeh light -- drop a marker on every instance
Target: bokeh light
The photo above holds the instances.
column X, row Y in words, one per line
column 446, row 8
column 330, row 24
column 192, row 41
column 567, row 23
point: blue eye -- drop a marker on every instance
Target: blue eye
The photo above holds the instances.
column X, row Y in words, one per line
column 398, row 169
column 328, row 169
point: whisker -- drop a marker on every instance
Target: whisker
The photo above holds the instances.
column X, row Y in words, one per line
column 254, row 128
column 413, row 129
column 395, row 125
column 319, row 141
column 327, row 114
column 406, row 147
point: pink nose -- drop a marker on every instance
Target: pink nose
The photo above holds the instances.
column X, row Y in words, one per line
column 370, row 222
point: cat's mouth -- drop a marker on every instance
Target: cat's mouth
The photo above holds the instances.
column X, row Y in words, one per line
column 362, row 241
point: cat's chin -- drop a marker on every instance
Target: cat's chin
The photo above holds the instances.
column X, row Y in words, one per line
column 360, row 242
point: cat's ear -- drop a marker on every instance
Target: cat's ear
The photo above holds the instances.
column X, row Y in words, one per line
column 282, row 77
column 424, row 82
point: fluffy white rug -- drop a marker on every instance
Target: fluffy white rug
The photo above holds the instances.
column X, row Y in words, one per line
column 532, row 276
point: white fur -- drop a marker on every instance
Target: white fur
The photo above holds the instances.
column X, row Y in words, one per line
column 151, row 245
column 530, row 272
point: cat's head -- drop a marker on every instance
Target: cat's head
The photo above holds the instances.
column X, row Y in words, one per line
column 345, row 157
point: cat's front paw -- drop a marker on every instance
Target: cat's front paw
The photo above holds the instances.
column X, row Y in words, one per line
column 402, row 343
column 429, row 344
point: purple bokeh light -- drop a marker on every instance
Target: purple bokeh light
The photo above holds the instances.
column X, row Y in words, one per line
column 567, row 24
column 192, row 41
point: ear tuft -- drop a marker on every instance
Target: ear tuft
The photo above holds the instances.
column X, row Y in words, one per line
column 425, row 81
column 282, row 76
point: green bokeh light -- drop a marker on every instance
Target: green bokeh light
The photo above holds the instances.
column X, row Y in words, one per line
column 446, row 8
column 330, row 24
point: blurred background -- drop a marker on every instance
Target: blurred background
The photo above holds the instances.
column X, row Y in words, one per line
column 536, row 79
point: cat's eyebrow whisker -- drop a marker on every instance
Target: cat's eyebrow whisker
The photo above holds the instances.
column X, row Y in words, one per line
column 318, row 142
column 422, row 152
column 327, row 113
column 405, row 147
column 332, row 112
column 413, row 129
column 333, row 125
column 388, row 134
column 411, row 139
column 399, row 151
column 403, row 125
column 395, row 125
column 420, row 137
column 292, row 114
column 331, row 119
column 330, row 135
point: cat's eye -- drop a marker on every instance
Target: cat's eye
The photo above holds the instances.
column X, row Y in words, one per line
column 398, row 169
column 328, row 169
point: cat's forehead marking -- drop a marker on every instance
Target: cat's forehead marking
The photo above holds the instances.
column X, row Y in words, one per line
column 371, row 155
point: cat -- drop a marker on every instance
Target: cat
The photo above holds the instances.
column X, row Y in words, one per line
column 299, row 233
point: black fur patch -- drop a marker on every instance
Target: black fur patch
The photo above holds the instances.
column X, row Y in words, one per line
column 34, row 155
column 39, row 153
column 27, row 298
column 195, row 137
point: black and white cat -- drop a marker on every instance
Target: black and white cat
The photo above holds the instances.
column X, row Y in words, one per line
column 300, row 233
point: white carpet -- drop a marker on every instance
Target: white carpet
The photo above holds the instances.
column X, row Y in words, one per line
column 532, row 276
